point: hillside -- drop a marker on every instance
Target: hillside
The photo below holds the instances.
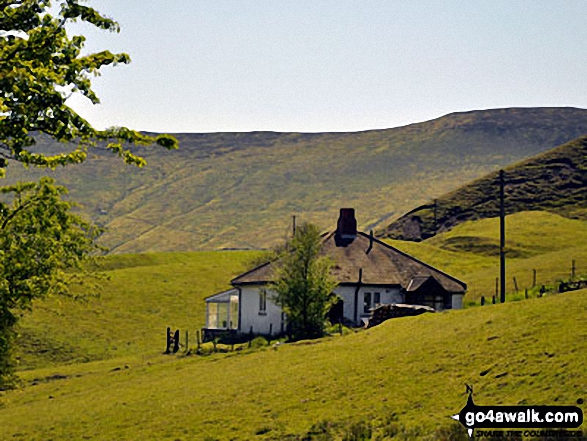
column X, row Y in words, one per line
column 404, row 378
column 146, row 293
column 239, row 190
column 98, row 364
column 541, row 242
column 554, row 181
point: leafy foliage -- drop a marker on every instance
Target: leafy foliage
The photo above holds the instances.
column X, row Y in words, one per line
column 304, row 285
column 41, row 242
column 40, row 67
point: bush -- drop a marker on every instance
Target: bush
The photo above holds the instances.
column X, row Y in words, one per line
column 259, row 342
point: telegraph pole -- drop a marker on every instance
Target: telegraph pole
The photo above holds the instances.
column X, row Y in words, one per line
column 502, row 235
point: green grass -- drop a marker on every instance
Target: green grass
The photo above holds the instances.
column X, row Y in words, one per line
column 145, row 294
column 148, row 292
column 240, row 189
column 407, row 375
column 541, row 241
column 553, row 181
column 95, row 370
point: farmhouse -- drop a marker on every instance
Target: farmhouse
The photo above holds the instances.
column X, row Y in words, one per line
column 369, row 273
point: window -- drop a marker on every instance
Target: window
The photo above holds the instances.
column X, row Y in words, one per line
column 376, row 298
column 262, row 302
column 234, row 312
column 366, row 303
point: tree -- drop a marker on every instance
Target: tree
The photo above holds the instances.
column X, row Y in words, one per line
column 43, row 245
column 304, row 285
column 40, row 67
column 43, row 249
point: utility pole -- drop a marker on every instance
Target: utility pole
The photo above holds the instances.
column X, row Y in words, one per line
column 502, row 235
column 435, row 216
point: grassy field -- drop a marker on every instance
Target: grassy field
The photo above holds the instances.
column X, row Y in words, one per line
column 95, row 370
column 145, row 294
column 403, row 378
column 553, row 181
column 239, row 190
column 541, row 241
column 148, row 292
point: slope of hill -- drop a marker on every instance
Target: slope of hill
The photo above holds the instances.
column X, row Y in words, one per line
column 145, row 293
column 148, row 292
column 541, row 248
column 402, row 379
column 554, row 181
column 228, row 190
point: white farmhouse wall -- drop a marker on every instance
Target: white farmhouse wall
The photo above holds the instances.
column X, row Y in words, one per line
column 347, row 294
column 271, row 319
column 260, row 322
column 457, row 301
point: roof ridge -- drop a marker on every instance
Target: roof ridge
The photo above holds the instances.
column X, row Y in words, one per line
column 368, row 236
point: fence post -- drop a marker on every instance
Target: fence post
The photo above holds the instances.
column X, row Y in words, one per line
column 515, row 284
column 187, row 342
column 168, row 339
column 176, row 341
column 198, row 339
column 482, row 300
column 270, row 330
column 526, row 293
column 533, row 278
column 493, row 300
column 573, row 269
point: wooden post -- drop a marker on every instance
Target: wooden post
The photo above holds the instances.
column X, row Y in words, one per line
column 293, row 234
column 493, row 300
column 435, row 216
column 176, row 341
column 526, row 293
column 502, row 234
column 270, row 330
column 573, row 269
column 187, row 342
column 482, row 300
column 198, row 339
column 533, row 278
column 168, row 338
column 515, row 284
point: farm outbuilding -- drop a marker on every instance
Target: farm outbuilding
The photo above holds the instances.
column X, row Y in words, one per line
column 369, row 273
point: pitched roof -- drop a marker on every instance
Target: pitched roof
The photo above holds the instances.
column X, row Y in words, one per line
column 382, row 265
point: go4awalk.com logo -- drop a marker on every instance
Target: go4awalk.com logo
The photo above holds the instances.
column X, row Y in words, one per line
column 545, row 418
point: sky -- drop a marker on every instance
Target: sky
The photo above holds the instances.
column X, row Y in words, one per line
column 331, row 65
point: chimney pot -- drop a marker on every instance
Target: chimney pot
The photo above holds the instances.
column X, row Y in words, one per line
column 346, row 228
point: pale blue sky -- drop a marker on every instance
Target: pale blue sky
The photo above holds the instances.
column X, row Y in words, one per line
column 333, row 65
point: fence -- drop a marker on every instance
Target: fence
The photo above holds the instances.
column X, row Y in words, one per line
column 538, row 283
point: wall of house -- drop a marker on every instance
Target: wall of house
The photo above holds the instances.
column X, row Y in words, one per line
column 347, row 294
column 251, row 316
column 271, row 319
column 457, row 301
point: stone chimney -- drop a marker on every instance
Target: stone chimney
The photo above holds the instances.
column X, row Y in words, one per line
column 346, row 228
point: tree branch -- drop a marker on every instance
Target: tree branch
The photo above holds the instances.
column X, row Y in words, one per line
column 15, row 212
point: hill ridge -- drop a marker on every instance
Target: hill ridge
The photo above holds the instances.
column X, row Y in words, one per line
column 239, row 190
column 554, row 181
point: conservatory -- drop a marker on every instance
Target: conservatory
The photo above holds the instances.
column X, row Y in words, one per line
column 222, row 311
